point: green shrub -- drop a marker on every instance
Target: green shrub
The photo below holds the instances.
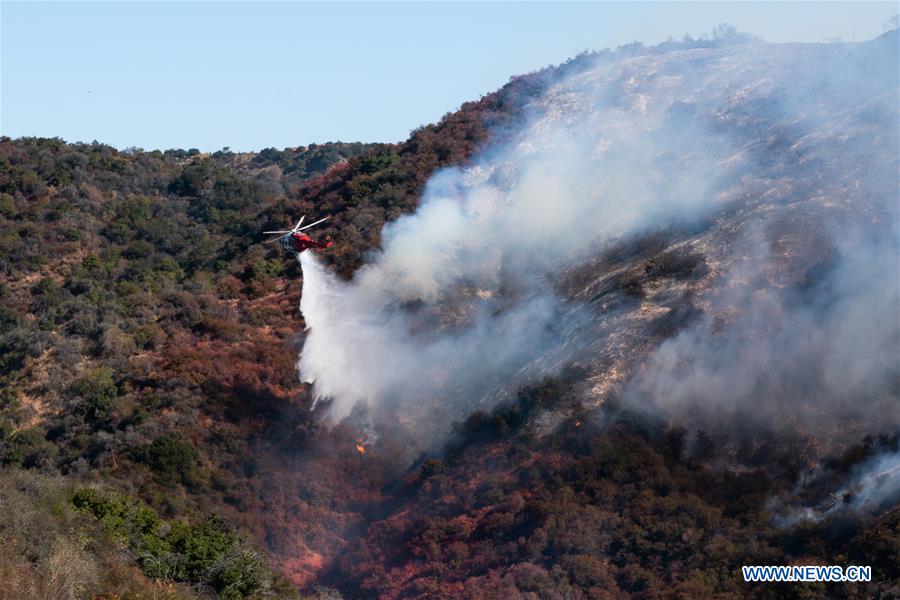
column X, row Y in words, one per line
column 24, row 447
column 97, row 392
column 208, row 553
column 7, row 205
column 170, row 457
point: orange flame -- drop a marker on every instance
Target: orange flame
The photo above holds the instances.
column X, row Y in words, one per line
column 577, row 423
column 360, row 448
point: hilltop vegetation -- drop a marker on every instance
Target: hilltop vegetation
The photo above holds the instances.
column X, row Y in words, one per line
column 148, row 341
column 119, row 267
column 155, row 440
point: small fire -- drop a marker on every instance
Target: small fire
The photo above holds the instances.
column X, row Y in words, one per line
column 360, row 448
column 577, row 423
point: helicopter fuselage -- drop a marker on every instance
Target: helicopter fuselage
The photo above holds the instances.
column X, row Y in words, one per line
column 298, row 242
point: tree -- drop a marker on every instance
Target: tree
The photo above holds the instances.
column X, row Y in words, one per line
column 97, row 391
column 170, row 457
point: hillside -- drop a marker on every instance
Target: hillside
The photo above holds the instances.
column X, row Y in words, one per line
column 527, row 397
column 697, row 251
column 149, row 342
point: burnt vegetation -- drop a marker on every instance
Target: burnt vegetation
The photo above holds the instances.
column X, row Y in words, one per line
column 607, row 506
column 148, row 342
column 154, row 436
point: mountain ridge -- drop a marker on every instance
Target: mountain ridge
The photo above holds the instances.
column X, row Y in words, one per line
column 149, row 346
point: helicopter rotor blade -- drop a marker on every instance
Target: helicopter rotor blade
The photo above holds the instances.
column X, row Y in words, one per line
column 291, row 231
column 299, row 223
column 273, row 240
column 311, row 224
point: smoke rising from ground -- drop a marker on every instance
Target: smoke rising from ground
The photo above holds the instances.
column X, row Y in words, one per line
column 802, row 330
column 460, row 295
column 767, row 353
column 799, row 189
column 870, row 487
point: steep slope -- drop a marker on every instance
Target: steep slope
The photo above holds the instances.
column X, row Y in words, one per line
column 707, row 337
column 132, row 324
column 148, row 342
column 600, row 508
column 701, row 246
column 641, row 193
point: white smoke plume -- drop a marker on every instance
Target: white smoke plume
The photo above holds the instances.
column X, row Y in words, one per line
column 476, row 255
column 875, row 484
column 801, row 330
column 869, row 488
column 463, row 296
column 766, row 354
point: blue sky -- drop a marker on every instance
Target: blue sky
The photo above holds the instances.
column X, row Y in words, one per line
column 256, row 75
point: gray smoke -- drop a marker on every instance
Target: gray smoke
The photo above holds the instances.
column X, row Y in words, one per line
column 822, row 355
column 870, row 487
column 474, row 260
column 787, row 151
column 802, row 329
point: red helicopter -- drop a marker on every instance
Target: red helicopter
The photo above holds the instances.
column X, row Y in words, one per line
column 297, row 242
